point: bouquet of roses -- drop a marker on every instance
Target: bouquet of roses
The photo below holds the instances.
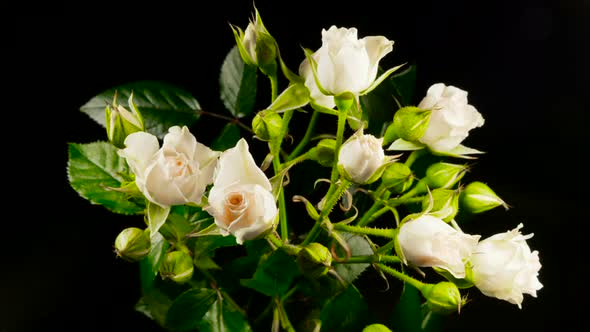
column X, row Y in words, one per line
column 222, row 240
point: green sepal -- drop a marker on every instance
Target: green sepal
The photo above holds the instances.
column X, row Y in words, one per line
column 380, row 79
column 403, row 145
column 293, row 97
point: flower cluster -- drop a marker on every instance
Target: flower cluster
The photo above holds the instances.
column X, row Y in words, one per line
column 402, row 177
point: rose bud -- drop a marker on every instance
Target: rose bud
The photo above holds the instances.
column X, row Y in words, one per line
column 314, row 260
column 132, row 244
column 177, row 266
column 442, row 298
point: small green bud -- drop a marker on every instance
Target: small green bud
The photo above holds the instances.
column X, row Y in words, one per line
column 267, row 125
column 323, row 152
column 409, row 123
column 314, row 260
column 442, row 298
column 478, row 197
column 444, row 175
column 445, row 203
column 397, row 177
column 120, row 122
column 376, row 328
column 178, row 266
column 132, row 244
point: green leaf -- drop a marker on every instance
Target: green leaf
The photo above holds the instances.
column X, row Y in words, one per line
column 223, row 316
column 154, row 304
column 359, row 246
column 404, row 84
column 96, row 171
column 188, row 309
column 348, row 311
column 204, row 249
column 238, row 84
column 229, row 136
column 156, row 216
column 162, row 105
column 409, row 314
column 274, row 274
column 149, row 266
column 182, row 220
column 378, row 108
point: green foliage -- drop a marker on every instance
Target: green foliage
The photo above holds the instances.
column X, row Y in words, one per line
column 224, row 316
column 359, row 246
column 229, row 136
column 347, row 311
column 187, row 310
column 96, row 172
column 162, row 105
column 238, row 84
column 274, row 274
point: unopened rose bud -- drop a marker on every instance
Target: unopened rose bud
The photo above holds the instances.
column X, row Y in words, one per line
column 445, row 203
column 177, row 266
column 267, row 125
column 361, row 158
column 397, row 177
column 132, row 244
column 478, row 197
column 314, row 260
column 444, row 175
column 376, row 328
column 323, row 153
column 442, row 298
column 257, row 47
column 409, row 123
column 121, row 122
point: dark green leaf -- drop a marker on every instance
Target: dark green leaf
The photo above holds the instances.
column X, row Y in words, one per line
column 274, row 274
column 188, row 309
column 411, row 315
column 224, row 316
column 154, row 304
column 95, row 171
column 204, row 249
column 238, row 84
column 229, row 136
column 162, row 105
column 183, row 219
column 359, row 246
column 378, row 107
column 404, row 84
column 149, row 266
column 347, row 311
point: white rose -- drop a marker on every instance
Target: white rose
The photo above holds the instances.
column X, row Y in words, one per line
column 241, row 199
column 361, row 156
column 344, row 63
column 175, row 174
column 430, row 242
column 452, row 117
column 504, row 267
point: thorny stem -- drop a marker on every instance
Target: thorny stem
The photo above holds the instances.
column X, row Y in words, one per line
column 403, row 277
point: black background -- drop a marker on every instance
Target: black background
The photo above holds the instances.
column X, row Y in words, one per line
column 522, row 62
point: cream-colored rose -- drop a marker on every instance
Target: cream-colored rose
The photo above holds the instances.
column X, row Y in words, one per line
column 241, row 199
column 175, row 174
column 505, row 268
column 452, row 117
column 361, row 156
column 430, row 242
column 344, row 63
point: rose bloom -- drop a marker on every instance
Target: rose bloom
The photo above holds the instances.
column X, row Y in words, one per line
column 361, row 156
column 175, row 174
column 430, row 242
column 241, row 199
column 344, row 63
column 452, row 117
column 504, row 267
